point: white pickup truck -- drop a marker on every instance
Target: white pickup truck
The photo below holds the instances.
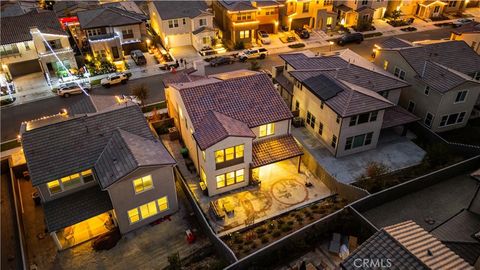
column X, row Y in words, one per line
column 255, row 53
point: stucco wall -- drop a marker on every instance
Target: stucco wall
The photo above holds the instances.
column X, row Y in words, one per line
column 123, row 197
column 23, row 54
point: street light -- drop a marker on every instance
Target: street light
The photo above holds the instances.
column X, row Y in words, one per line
column 331, row 44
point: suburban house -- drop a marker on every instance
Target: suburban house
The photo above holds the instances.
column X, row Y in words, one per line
column 310, row 14
column 470, row 33
column 443, row 78
column 426, row 9
column 113, row 32
column 405, row 245
column 234, row 125
column 32, row 42
column 183, row 23
column 357, row 13
column 97, row 171
column 239, row 21
column 343, row 99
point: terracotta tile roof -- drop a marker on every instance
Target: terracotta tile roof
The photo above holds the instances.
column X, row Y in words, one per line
column 216, row 126
column 17, row 28
column 275, row 149
column 396, row 116
column 407, row 246
column 251, row 99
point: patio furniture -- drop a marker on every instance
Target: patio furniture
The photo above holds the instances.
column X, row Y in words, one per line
column 218, row 213
column 228, row 207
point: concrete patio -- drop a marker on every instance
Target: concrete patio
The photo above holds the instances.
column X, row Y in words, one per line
column 393, row 150
column 282, row 189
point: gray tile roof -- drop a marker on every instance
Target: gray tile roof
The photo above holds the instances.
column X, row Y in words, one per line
column 470, row 252
column 284, row 82
column 396, row 116
column 459, row 228
column 394, row 42
column 108, row 16
column 124, row 153
column 70, row 8
column 409, row 247
column 216, row 126
column 73, row 145
column 251, row 99
column 202, row 29
column 300, row 61
column 84, row 106
column 17, row 28
column 237, row 5
column 71, row 209
column 180, row 9
column 274, row 149
column 440, row 77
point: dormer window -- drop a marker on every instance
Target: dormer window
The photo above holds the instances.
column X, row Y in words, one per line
column 69, row 182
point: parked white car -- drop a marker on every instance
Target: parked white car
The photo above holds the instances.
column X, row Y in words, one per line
column 72, row 88
column 259, row 53
column 114, row 79
column 463, row 21
column 264, row 37
column 133, row 99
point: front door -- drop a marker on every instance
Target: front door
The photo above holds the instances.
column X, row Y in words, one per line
column 115, row 53
column 436, row 11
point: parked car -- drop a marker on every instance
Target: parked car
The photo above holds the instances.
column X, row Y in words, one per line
column 264, row 37
column 350, row 38
column 259, row 53
column 114, row 79
column 302, row 33
column 463, row 21
column 133, row 99
column 72, row 88
column 221, row 61
column 138, row 57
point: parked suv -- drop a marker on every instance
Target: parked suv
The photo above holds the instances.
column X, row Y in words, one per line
column 302, row 33
column 65, row 90
column 350, row 38
column 260, row 53
column 114, row 79
column 138, row 57
column 264, row 37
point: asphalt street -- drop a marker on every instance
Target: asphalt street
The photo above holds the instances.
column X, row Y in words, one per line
column 12, row 116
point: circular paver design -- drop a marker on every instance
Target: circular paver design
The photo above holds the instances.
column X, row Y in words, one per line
column 282, row 190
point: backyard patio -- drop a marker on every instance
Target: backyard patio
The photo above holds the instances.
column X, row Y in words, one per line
column 281, row 189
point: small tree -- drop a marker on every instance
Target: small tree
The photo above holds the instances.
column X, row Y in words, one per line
column 396, row 15
column 141, row 92
column 255, row 66
column 174, row 261
column 375, row 169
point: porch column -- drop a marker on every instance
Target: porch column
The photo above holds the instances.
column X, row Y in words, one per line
column 299, row 163
column 55, row 239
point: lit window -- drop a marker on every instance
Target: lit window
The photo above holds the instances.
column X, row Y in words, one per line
column 245, row 34
column 239, row 175
column 230, row 178
column 219, row 157
column 203, row 155
column 220, row 181
column 239, row 151
column 133, row 215
column 163, row 203
column 385, row 65
column 329, row 21
column 203, row 176
column 87, row 176
column 229, row 153
column 71, row 181
column 143, row 184
column 148, row 210
column 54, row 187
column 266, row 130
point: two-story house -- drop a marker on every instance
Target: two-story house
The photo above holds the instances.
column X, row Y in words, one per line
column 307, row 13
column 183, row 23
column 359, row 13
column 470, row 33
column 443, row 78
column 35, row 42
column 234, row 125
column 113, row 32
column 98, row 171
column 239, row 21
column 345, row 100
column 426, row 9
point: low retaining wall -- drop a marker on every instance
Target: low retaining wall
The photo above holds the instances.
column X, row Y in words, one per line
column 418, row 183
column 219, row 245
column 349, row 192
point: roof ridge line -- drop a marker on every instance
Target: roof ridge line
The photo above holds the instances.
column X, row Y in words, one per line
column 405, row 248
column 130, row 15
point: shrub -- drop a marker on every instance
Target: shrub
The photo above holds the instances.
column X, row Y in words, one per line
column 260, row 230
column 314, row 206
column 296, row 45
column 255, row 66
column 375, row 169
column 280, row 221
column 7, row 101
column 239, row 45
column 276, row 233
column 174, row 261
column 253, row 246
column 290, row 223
column 286, row 228
column 264, row 239
column 375, row 34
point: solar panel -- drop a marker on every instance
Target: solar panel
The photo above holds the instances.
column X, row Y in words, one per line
column 323, row 86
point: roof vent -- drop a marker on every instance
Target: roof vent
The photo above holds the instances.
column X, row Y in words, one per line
column 114, row 160
column 429, row 252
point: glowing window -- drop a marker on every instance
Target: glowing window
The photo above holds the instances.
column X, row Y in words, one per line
column 203, row 155
column 54, row 187
column 203, row 176
column 239, row 151
column 163, row 203
column 87, row 176
column 230, row 178
column 133, row 215
column 143, row 184
column 220, row 181
column 219, row 156
column 229, row 153
column 71, row 181
column 266, row 130
column 148, row 210
column 239, row 176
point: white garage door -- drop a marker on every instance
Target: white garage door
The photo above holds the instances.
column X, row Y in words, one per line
column 179, row 40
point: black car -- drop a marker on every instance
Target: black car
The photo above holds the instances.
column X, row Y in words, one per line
column 138, row 57
column 350, row 38
column 221, row 61
column 302, row 33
